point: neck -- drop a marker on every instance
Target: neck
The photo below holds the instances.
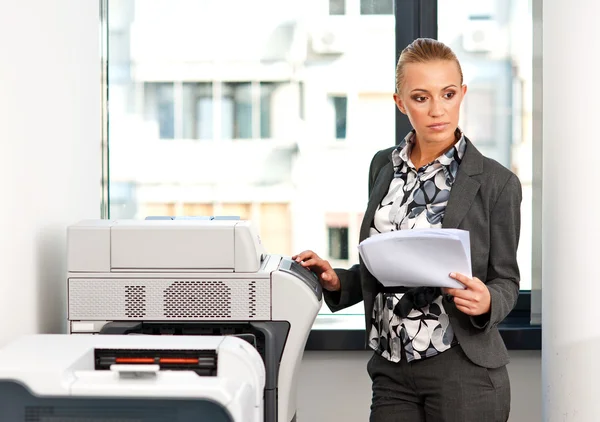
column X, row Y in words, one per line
column 424, row 152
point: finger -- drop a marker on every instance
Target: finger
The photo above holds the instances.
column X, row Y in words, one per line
column 461, row 293
column 311, row 262
column 303, row 255
column 463, row 279
column 451, row 292
column 465, row 310
column 463, row 302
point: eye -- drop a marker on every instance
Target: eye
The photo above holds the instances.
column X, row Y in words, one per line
column 449, row 95
column 419, row 98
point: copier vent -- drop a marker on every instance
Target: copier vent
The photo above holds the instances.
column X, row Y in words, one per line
column 135, row 301
column 252, row 298
column 156, row 299
column 197, row 299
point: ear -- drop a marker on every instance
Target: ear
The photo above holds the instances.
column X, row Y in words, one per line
column 464, row 89
column 399, row 103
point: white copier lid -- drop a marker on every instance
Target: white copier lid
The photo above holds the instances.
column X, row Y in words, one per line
column 179, row 245
column 64, row 365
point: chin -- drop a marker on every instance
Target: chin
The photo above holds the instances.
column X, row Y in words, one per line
column 436, row 136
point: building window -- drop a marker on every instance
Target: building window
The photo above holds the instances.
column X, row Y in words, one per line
column 376, row 7
column 338, row 242
column 198, row 110
column 187, row 110
column 340, row 106
column 337, row 7
column 267, row 90
column 159, row 107
column 236, row 111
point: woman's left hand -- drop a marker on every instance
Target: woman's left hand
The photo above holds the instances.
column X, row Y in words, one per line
column 474, row 300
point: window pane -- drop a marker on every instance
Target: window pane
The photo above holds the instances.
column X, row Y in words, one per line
column 493, row 41
column 266, row 92
column 337, row 7
column 340, row 105
column 236, row 111
column 159, row 108
column 198, row 111
column 376, row 7
column 271, row 81
column 338, row 242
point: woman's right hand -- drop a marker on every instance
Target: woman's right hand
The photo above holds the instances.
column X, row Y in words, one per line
column 327, row 277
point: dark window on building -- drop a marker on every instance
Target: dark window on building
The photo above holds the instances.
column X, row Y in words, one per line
column 338, row 242
column 376, row 7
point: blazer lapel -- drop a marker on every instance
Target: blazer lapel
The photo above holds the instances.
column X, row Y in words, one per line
column 465, row 187
column 463, row 191
column 380, row 189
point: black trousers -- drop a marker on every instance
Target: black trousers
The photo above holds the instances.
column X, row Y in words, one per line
column 444, row 388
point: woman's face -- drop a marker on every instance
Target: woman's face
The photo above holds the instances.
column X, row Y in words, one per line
column 431, row 94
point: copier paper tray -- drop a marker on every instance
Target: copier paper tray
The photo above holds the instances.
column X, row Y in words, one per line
column 203, row 362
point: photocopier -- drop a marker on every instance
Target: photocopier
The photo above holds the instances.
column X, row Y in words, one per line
column 91, row 378
column 196, row 277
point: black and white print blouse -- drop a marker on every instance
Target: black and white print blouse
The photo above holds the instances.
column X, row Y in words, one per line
column 416, row 198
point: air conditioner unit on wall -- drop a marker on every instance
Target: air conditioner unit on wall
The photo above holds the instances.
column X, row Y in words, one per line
column 480, row 35
column 328, row 41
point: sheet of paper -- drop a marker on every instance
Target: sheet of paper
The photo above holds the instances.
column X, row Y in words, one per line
column 419, row 257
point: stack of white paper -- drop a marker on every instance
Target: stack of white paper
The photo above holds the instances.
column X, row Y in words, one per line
column 418, row 257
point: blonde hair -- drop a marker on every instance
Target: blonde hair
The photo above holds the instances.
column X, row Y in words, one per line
column 423, row 50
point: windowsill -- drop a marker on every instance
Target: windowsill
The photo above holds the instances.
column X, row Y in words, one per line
column 347, row 332
column 333, row 332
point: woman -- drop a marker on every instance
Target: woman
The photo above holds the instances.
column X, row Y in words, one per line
column 438, row 355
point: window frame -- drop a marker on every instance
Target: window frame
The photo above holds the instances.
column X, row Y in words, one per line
column 413, row 19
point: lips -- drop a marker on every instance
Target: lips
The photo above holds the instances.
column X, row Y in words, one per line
column 438, row 126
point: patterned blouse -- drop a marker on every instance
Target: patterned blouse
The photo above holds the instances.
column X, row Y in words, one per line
column 417, row 198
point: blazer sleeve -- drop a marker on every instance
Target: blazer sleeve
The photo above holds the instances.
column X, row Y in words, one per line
column 503, row 271
column 349, row 294
column 350, row 279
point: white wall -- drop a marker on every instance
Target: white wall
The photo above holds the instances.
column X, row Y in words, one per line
column 334, row 386
column 570, row 340
column 50, row 162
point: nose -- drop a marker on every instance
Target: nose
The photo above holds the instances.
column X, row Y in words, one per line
column 436, row 109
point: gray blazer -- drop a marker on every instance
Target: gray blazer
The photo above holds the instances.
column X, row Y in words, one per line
column 485, row 200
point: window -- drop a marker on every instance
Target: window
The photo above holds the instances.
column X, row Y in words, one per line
column 278, row 88
column 376, row 7
column 267, row 90
column 187, row 110
column 338, row 242
column 198, row 113
column 340, row 106
column 493, row 41
column 337, row 7
column 160, row 108
column 236, row 111
column 180, row 110
column 263, row 83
